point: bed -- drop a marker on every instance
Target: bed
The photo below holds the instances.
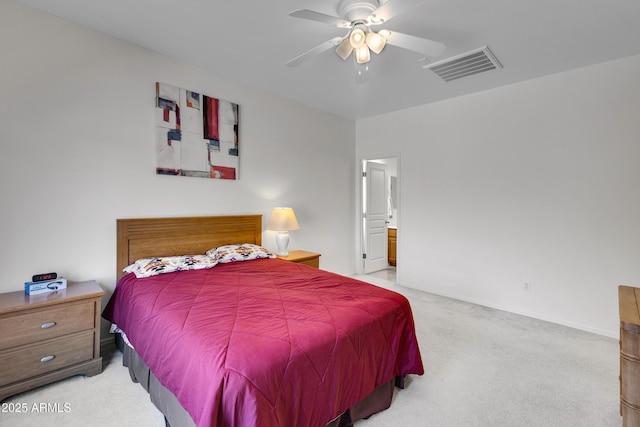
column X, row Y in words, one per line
column 259, row 342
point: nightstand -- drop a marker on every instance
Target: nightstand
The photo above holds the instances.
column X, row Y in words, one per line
column 303, row 257
column 48, row 337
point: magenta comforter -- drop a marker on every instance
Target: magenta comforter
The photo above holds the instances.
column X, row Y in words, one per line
column 266, row 342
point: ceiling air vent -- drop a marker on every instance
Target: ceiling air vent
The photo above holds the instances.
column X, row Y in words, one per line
column 464, row 65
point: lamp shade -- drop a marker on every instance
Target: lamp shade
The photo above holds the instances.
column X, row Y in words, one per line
column 362, row 54
column 344, row 49
column 375, row 41
column 283, row 219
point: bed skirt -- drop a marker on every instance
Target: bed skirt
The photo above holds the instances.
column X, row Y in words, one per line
column 176, row 416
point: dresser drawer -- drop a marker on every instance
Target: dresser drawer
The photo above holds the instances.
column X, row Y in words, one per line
column 31, row 326
column 31, row 360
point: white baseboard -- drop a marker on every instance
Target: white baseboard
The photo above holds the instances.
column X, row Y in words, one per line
column 581, row 327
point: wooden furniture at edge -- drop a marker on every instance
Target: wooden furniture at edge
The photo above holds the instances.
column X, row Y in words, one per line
column 48, row 337
column 391, row 246
column 303, row 257
column 629, row 305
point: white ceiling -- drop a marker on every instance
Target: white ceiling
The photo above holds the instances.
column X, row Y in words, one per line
column 251, row 40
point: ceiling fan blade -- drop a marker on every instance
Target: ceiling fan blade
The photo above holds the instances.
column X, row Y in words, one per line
column 390, row 9
column 315, row 51
column 320, row 17
column 424, row 46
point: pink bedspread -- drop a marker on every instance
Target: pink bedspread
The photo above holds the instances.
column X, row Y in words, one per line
column 266, row 342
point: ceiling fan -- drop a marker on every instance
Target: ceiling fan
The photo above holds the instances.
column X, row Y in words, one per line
column 358, row 17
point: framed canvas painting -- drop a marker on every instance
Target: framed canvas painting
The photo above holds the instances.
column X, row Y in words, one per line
column 196, row 134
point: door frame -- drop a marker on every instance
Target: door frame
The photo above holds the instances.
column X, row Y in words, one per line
column 359, row 210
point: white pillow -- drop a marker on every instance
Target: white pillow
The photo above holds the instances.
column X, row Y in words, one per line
column 233, row 253
column 147, row 267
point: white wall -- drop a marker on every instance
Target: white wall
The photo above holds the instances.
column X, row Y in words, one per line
column 533, row 182
column 77, row 152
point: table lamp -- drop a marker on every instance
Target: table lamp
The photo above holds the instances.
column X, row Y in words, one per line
column 282, row 220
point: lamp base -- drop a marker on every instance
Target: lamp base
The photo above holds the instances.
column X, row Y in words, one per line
column 282, row 241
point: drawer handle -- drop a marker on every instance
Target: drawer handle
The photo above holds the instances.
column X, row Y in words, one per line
column 47, row 359
column 48, row 325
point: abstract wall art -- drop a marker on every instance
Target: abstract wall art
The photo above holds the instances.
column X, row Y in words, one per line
column 196, row 135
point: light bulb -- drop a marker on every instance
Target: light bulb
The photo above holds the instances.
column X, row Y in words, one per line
column 357, row 38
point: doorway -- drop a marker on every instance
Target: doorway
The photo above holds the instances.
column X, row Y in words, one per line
column 379, row 217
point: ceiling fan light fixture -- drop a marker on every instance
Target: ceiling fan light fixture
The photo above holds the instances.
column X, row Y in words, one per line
column 344, row 48
column 375, row 42
column 362, row 54
column 359, row 16
column 357, row 38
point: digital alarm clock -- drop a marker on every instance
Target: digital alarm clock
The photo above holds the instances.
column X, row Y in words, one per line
column 43, row 277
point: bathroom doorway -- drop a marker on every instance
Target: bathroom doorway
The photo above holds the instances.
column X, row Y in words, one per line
column 379, row 214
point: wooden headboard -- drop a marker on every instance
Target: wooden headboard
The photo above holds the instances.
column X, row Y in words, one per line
column 151, row 237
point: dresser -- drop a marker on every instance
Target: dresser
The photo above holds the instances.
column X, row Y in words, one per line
column 48, row 337
column 629, row 307
column 303, row 257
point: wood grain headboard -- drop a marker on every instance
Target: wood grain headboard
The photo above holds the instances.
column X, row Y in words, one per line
column 153, row 237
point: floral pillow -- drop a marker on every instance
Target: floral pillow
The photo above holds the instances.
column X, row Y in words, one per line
column 244, row 252
column 148, row 267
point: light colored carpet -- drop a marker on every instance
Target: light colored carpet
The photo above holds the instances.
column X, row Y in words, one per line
column 484, row 367
column 103, row 400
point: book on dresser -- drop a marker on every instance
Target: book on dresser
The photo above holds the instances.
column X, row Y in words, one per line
column 48, row 337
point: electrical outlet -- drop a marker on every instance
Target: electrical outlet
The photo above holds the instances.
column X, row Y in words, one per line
column 528, row 287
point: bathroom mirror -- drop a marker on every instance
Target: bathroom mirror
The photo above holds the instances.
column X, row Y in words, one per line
column 393, row 192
